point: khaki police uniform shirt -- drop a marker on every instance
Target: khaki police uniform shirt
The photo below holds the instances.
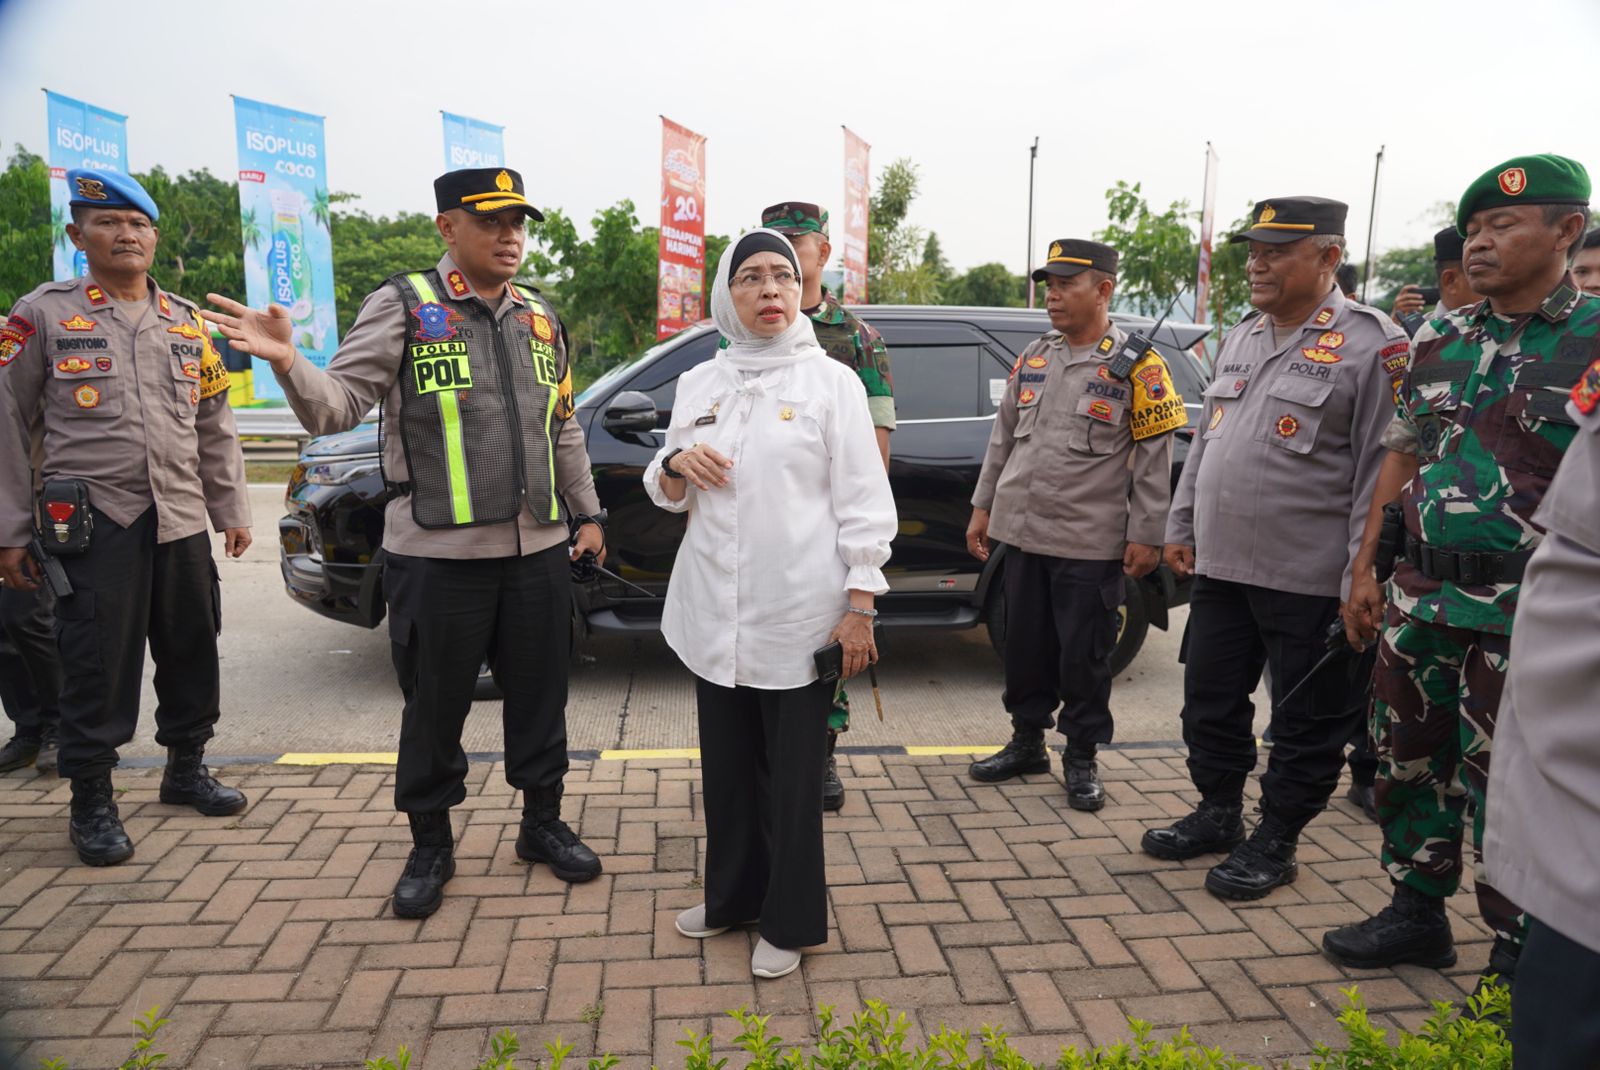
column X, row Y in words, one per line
column 366, row 369
column 123, row 406
column 1542, row 843
column 1061, row 482
column 1275, row 489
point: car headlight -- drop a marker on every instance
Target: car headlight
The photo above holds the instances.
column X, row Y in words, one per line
column 339, row 472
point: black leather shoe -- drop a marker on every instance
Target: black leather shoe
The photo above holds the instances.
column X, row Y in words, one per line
column 432, row 862
column 187, row 782
column 1366, row 797
column 19, row 753
column 1212, row 827
column 832, row 786
column 1026, row 753
column 1084, row 790
column 548, row 839
column 96, row 829
column 1412, row 928
column 1263, row 862
column 49, row 758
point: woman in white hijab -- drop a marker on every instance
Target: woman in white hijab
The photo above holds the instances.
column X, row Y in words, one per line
column 771, row 452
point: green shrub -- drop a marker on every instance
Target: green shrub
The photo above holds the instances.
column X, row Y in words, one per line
column 877, row 1039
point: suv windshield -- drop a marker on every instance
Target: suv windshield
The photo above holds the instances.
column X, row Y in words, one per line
column 617, row 371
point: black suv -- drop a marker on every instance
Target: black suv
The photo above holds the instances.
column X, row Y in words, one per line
column 950, row 367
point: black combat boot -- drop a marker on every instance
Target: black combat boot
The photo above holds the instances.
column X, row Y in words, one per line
column 49, row 759
column 20, row 752
column 1412, row 928
column 1366, row 797
column 832, row 786
column 1026, row 753
column 1500, row 973
column 546, row 838
column 1082, row 773
column 432, row 862
column 187, row 782
column 1213, row 826
column 96, row 830
column 1263, row 862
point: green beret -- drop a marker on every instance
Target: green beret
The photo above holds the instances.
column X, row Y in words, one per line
column 1545, row 179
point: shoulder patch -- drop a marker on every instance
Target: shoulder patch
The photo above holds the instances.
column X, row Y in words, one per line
column 1157, row 405
column 1586, row 395
column 13, row 336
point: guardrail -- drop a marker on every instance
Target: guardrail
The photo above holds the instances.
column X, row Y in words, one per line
column 275, row 423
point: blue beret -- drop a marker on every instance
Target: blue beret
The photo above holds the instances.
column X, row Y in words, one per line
column 109, row 189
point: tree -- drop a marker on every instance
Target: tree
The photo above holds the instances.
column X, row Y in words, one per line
column 1159, row 251
column 25, row 235
column 991, row 285
column 367, row 250
column 199, row 251
column 1230, row 286
column 899, row 267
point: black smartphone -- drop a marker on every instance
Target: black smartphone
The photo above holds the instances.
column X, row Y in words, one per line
column 1430, row 294
column 830, row 662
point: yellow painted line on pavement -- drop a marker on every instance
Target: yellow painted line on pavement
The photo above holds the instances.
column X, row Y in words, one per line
column 665, row 752
column 938, row 752
column 341, row 758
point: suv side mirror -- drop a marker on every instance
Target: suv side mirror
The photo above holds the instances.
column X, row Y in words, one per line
column 630, row 411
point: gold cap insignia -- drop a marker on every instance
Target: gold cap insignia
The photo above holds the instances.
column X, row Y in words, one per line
column 502, row 182
column 1268, row 214
column 92, row 189
column 1055, row 248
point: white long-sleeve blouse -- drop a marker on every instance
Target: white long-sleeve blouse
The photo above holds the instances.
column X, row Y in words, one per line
column 761, row 577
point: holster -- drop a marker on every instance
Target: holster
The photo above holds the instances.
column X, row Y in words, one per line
column 65, row 525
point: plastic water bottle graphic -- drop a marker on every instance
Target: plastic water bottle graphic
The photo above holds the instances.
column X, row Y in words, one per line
column 287, row 265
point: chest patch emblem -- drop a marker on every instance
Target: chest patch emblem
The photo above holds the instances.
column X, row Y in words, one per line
column 1287, row 426
column 1216, row 419
column 185, row 330
column 73, row 365
column 1102, row 372
column 1027, row 397
column 435, row 323
column 1320, row 355
column 79, row 323
column 542, row 328
column 103, row 363
column 191, row 369
column 441, row 366
column 86, row 397
column 1100, row 410
column 1330, row 339
column 1038, row 362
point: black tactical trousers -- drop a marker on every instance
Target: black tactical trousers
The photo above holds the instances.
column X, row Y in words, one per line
column 1234, row 627
column 30, row 668
column 1553, row 1021
column 762, row 754
column 1363, row 756
column 1061, row 626
column 446, row 617
column 127, row 590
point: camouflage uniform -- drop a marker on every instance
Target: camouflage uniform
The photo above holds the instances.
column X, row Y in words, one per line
column 1482, row 408
column 856, row 345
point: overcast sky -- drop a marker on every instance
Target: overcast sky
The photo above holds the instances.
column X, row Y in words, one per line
column 1297, row 98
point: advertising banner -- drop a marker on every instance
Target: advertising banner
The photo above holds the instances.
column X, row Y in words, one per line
column 1208, row 214
column 472, row 143
column 284, row 221
column 857, row 213
column 81, row 135
column 681, row 271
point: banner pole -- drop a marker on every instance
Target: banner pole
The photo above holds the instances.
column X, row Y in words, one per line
column 1033, row 156
column 1372, row 222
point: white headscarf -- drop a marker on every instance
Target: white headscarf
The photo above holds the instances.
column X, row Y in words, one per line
column 748, row 351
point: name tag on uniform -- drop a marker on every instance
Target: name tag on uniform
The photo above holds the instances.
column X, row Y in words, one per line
column 708, row 418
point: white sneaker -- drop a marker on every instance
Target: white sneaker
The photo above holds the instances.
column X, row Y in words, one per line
column 692, row 923
column 769, row 961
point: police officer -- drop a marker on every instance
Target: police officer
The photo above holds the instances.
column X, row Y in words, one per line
column 852, row 342
column 30, row 679
column 132, row 403
column 1586, row 265
column 489, row 470
column 1267, row 515
column 1541, row 846
column 1455, row 290
column 1481, row 427
column 1076, row 481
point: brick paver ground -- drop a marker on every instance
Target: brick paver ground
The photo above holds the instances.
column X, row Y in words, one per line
column 267, row 938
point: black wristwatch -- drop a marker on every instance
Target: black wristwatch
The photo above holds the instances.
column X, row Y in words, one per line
column 666, row 465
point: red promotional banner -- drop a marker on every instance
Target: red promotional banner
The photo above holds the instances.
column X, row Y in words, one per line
column 857, row 211
column 680, row 276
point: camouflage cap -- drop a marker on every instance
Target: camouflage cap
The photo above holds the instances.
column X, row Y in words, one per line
column 795, row 217
column 1543, row 179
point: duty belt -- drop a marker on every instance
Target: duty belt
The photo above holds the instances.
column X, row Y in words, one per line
column 1466, row 566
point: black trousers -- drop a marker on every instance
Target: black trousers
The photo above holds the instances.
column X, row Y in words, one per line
column 762, row 755
column 1555, row 1003
column 30, row 668
column 1363, row 756
column 1233, row 628
column 128, row 589
column 1061, row 626
column 446, row 617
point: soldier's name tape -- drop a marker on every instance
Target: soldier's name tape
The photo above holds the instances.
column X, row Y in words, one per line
column 321, row 758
